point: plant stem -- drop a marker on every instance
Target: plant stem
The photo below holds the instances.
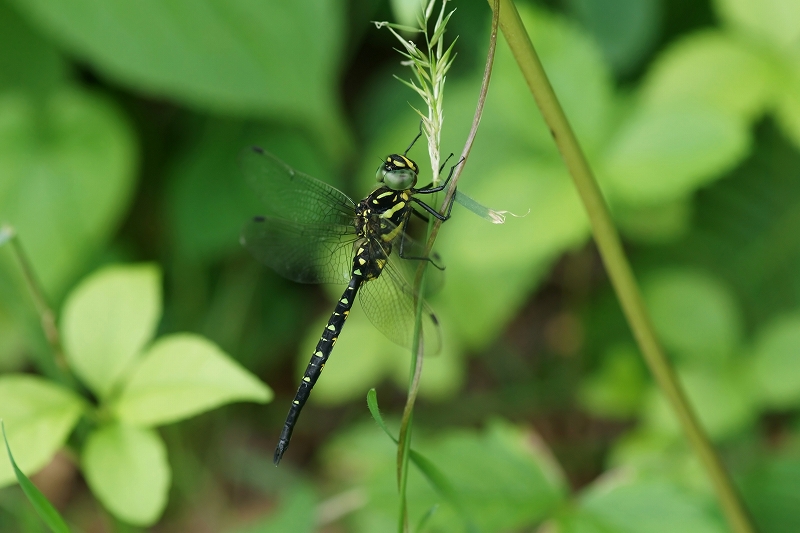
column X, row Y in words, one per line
column 404, row 438
column 47, row 317
column 619, row 270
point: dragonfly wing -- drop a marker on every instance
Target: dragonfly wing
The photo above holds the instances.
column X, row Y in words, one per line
column 389, row 302
column 305, row 253
column 292, row 195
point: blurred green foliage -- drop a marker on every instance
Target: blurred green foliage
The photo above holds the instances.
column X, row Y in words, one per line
column 120, row 128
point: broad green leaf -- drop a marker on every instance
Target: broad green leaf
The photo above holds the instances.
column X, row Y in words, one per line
column 43, row 507
column 209, row 197
column 181, row 376
column 714, row 68
column 695, row 315
column 27, row 61
column 777, row 21
column 127, row 470
column 787, row 111
column 647, row 507
column 625, row 30
column 243, row 57
column 616, row 389
column 39, row 416
column 503, row 476
column 663, row 153
column 722, row 398
column 108, row 319
column 769, row 488
column 296, row 512
column 495, row 268
column 776, row 368
column 72, row 156
column 660, row 223
column 433, row 475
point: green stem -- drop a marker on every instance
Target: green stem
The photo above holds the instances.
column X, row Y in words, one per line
column 404, row 438
column 619, row 270
column 47, row 317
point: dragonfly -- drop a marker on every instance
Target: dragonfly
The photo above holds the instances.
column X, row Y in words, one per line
column 310, row 232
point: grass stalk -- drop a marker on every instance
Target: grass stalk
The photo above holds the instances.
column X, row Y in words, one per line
column 430, row 69
column 617, row 265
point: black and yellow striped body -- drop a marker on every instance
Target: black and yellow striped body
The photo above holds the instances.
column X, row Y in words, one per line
column 380, row 219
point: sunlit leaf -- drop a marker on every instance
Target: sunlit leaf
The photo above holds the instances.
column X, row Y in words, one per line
column 180, row 376
column 722, row 398
column 714, row 68
column 127, row 470
column 696, row 315
column 39, row 416
column 773, row 20
column 108, row 319
column 777, row 352
column 662, row 153
column 647, row 507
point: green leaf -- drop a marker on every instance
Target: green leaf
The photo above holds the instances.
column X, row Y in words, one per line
column 695, row 315
column 209, row 197
column 773, row 20
column 27, row 61
column 244, row 57
column 787, row 110
column 295, row 513
column 722, row 398
column 714, row 68
column 70, row 155
column 660, row 223
column 434, row 476
column 775, row 365
column 108, row 319
column 647, row 507
column 579, row 76
column 663, row 153
column 39, row 415
column 625, row 30
column 127, row 469
column 181, row 376
column 504, row 477
column 477, row 312
column 617, row 388
column 6, row 234
column 769, row 489
column 43, row 507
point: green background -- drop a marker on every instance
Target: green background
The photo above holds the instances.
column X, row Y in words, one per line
column 120, row 127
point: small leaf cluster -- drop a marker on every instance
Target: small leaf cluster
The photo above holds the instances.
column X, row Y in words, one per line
column 136, row 383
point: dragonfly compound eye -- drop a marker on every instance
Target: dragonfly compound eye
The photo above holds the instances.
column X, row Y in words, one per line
column 398, row 172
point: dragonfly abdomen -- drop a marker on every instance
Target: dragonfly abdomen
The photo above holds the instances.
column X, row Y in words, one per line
column 321, row 353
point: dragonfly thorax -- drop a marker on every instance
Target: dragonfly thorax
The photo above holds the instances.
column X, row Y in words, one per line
column 380, row 219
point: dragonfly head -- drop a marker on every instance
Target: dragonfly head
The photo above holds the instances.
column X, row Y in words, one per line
column 397, row 172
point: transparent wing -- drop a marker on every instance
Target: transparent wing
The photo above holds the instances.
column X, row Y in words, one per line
column 292, row 195
column 389, row 303
column 305, row 253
